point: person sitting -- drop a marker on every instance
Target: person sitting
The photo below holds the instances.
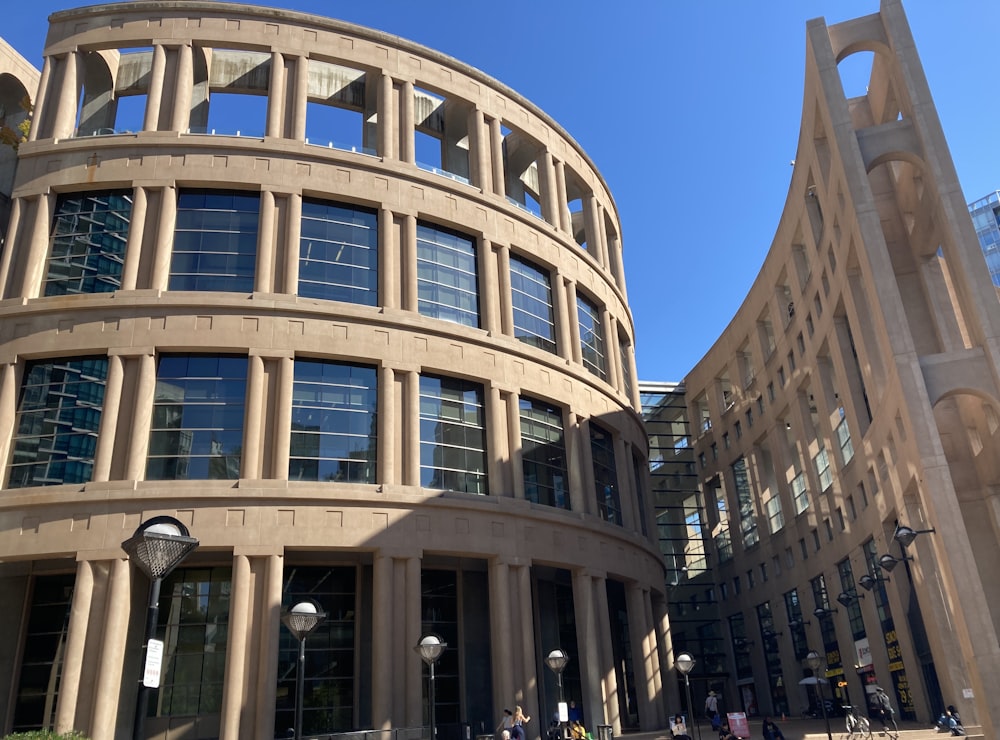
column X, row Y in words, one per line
column 951, row 721
column 678, row 729
column 726, row 734
column 771, row 730
column 577, row 731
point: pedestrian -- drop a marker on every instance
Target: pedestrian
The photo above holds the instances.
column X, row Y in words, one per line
column 520, row 719
column 882, row 705
column 506, row 724
column 575, row 715
column 678, row 729
column 712, row 709
column 771, row 730
column 951, row 721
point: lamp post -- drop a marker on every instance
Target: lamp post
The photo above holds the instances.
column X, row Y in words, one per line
column 684, row 663
column 430, row 648
column 556, row 660
column 887, row 562
column 814, row 661
column 905, row 536
column 157, row 547
column 302, row 620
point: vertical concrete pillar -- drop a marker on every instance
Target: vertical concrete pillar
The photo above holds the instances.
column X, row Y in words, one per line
column 264, row 269
column 574, row 462
column 108, row 429
column 163, row 248
column 240, row 607
column 8, row 406
column 68, row 85
column 154, row 96
column 479, row 155
column 386, row 115
column 386, row 443
column 382, row 642
column 527, row 690
column 133, row 243
column 617, row 260
column 601, row 234
column 407, row 124
column 283, row 418
column 41, row 114
column 108, row 680
column 300, row 98
column 639, row 639
column 653, row 659
column 496, row 158
column 411, row 428
column 9, row 243
column 612, row 364
column 591, row 229
column 626, row 493
column 276, row 96
column 514, row 444
column 502, row 631
column 565, row 219
column 180, row 119
column 573, row 316
column 35, row 266
column 267, row 674
column 292, row 246
column 607, row 658
column 142, row 419
column 488, row 292
column 496, row 442
column 414, row 665
column 388, row 260
column 408, row 266
column 252, row 432
column 76, row 640
column 563, row 312
column 547, row 186
column 506, row 302
column 587, row 637
column 587, row 466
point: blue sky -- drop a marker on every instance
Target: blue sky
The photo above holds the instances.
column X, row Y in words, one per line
column 690, row 109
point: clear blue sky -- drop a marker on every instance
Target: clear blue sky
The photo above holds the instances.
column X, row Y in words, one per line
column 690, row 109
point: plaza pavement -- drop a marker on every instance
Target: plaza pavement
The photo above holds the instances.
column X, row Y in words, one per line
column 811, row 729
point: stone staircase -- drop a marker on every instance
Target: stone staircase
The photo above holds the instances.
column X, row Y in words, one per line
column 930, row 733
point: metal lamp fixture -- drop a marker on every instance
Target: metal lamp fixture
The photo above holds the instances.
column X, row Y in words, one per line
column 556, row 660
column 431, row 647
column 868, row 583
column 887, row 562
column 821, row 612
column 846, row 598
column 814, row 660
column 684, row 663
column 905, row 536
column 302, row 620
column 157, row 547
column 798, row 622
column 770, row 634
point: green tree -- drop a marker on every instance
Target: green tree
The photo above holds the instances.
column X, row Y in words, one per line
column 14, row 137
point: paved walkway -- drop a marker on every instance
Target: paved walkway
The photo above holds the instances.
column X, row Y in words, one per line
column 802, row 729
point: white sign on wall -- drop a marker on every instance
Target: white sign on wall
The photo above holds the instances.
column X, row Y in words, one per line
column 863, row 651
column 154, row 662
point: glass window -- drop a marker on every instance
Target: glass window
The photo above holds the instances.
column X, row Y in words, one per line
column 591, row 337
column 88, row 243
column 197, row 427
column 543, row 449
column 447, row 281
column 194, row 616
column 215, row 241
column 531, row 296
column 452, row 435
column 58, row 415
column 775, row 516
column 334, row 426
column 744, row 497
column 605, row 475
column 723, row 538
column 843, row 433
column 799, row 493
column 823, row 472
column 338, row 253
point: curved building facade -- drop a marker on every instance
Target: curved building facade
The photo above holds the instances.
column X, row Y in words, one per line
column 354, row 313
column 845, row 424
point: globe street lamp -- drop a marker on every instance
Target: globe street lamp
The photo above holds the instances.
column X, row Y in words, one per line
column 302, row 620
column 887, row 562
column 557, row 660
column 430, row 648
column 814, row 661
column 157, row 547
column 905, row 536
column 684, row 663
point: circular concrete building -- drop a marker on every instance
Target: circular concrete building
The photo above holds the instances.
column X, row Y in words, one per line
column 352, row 312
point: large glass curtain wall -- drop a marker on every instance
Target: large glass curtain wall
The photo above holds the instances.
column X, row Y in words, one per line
column 543, row 451
column 338, row 257
column 215, row 241
column 531, row 296
column 452, row 435
column 447, row 279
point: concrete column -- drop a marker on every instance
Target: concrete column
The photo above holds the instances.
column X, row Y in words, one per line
column 237, row 646
column 68, row 85
column 653, row 659
column 526, row 690
column 408, row 266
column 547, row 186
column 636, row 503
column 35, row 266
column 163, row 248
column 76, row 640
column 641, row 664
column 506, row 301
column 8, row 406
column 617, row 261
column 626, row 494
column 283, row 418
column 479, row 155
column 267, row 673
column 563, row 311
column 41, row 114
column 601, row 234
column 133, row 243
column 256, row 402
column 386, row 442
column 502, row 632
column 300, row 98
column 142, row 419
column 292, row 245
column 496, row 441
column 565, row 219
column 488, row 286
column 587, row 466
column 108, row 680
column 634, row 374
column 154, row 96
column 9, row 243
column 276, row 96
column 108, row 429
column 414, row 665
column 513, row 404
column 382, row 641
column 612, row 365
column 573, row 321
column 411, row 428
column 574, row 463
column 180, row 118
column 388, row 260
column 496, row 158
column 607, row 658
column 264, row 269
column 386, row 117
column 407, row 124
column 587, row 637
column 591, row 228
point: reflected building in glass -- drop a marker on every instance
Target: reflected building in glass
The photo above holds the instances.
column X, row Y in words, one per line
column 985, row 214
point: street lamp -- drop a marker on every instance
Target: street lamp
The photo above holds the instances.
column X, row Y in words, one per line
column 814, row 661
column 684, row 663
column 157, row 547
column 556, row 660
column 887, row 562
column 905, row 536
column 821, row 612
column 846, row 598
column 430, row 648
column 302, row 620
column 868, row 583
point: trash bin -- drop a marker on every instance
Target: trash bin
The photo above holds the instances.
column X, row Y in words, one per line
column 605, row 732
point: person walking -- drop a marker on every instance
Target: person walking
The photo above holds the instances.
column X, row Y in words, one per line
column 882, row 705
column 519, row 721
column 712, row 709
column 506, row 724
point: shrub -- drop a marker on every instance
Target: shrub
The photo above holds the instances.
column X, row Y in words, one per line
column 45, row 735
